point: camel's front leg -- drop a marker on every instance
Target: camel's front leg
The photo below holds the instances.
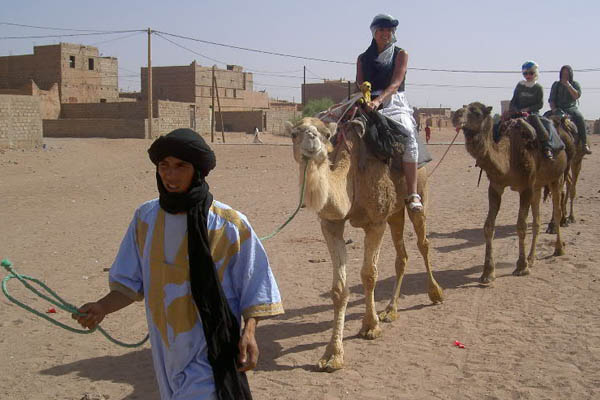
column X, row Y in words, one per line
column 494, row 199
column 524, row 203
column 419, row 223
column 396, row 223
column 572, row 190
column 333, row 231
column 535, row 226
column 556, row 199
column 368, row 274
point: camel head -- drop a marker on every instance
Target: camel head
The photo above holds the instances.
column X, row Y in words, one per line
column 310, row 139
column 473, row 118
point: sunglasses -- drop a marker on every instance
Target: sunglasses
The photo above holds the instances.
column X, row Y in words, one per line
column 528, row 73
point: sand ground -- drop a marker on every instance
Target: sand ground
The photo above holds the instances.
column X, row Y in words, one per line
column 65, row 208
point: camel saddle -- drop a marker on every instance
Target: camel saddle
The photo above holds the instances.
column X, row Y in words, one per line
column 385, row 139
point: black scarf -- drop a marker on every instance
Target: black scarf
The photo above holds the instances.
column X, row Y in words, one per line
column 221, row 328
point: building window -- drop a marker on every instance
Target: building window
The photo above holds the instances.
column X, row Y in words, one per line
column 91, row 64
column 72, row 61
column 102, row 100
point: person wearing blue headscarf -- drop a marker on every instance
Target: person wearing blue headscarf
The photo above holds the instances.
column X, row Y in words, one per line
column 528, row 99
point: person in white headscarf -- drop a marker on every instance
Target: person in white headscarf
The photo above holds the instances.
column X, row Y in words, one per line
column 384, row 66
column 528, row 100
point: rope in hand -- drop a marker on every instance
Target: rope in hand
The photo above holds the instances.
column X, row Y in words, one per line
column 62, row 304
column 57, row 301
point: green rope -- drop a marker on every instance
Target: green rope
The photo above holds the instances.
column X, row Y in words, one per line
column 59, row 302
column 295, row 212
column 62, row 304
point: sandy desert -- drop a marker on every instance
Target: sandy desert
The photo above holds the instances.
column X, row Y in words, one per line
column 65, row 207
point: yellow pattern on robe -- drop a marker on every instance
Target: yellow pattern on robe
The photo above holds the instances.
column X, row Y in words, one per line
column 181, row 313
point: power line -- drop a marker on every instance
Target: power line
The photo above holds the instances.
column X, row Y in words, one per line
column 185, row 48
column 69, row 35
column 115, row 39
column 466, row 71
column 53, row 29
column 254, row 50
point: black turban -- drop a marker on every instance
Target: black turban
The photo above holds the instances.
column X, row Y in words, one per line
column 186, row 145
column 221, row 327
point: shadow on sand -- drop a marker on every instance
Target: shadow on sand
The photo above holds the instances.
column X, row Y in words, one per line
column 472, row 237
column 134, row 368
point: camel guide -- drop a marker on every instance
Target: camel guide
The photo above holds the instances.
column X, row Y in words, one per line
column 199, row 267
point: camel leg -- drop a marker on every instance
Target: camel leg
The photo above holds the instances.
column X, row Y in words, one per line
column 535, row 226
column 555, row 187
column 524, row 204
column 368, row 274
column 573, row 190
column 564, row 192
column 419, row 223
column 396, row 223
column 489, row 267
column 333, row 231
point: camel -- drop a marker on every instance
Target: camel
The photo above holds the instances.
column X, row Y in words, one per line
column 575, row 153
column 349, row 184
column 516, row 162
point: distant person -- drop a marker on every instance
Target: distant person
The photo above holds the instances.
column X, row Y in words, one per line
column 564, row 95
column 527, row 101
column 384, row 66
column 200, row 268
column 257, row 139
column 439, row 123
column 427, row 133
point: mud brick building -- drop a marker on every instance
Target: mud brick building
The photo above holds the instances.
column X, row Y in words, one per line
column 193, row 84
column 82, row 75
column 336, row 90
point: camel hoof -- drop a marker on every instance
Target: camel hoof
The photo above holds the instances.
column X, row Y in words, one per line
column 389, row 315
column 559, row 252
column 551, row 229
column 436, row 295
column 486, row 279
column 564, row 223
column 370, row 334
column 571, row 219
column 331, row 364
column 521, row 272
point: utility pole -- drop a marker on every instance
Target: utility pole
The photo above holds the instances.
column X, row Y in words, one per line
column 149, row 91
column 212, row 110
column 220, row 111
column 303, row 86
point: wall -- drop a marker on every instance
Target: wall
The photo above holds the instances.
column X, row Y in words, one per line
column 240, row 121
column 20, row 122
column 170, row 83
column 334, row 90
column 49, row 99
column 87, row 128
column 118, row 110
column 276, row 120
column 173, row 115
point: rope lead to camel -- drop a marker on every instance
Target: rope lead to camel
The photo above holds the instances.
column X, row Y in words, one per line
column 57, row 301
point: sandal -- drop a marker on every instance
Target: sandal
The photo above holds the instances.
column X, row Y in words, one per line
column 414, row 202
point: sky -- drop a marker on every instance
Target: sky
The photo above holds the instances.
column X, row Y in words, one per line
column 462, row 35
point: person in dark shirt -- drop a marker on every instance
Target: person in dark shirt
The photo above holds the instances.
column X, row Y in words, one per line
column 564, row 95
column 528, row 100
column 384, row 66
